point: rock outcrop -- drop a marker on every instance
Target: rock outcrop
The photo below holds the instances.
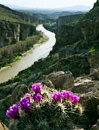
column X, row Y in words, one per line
column 62, row 80
column 90, row 30
column 67, row 35
column 10, row 33
column 67, row 19
column 94, row 66
column 15, row 26
column 88, row 90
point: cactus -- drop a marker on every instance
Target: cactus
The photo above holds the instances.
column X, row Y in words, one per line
column 49, row 114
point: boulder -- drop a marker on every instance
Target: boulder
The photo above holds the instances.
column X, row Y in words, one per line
column 62, row 80
column 95, row 74
column 90, row 102
column 48, row 83
column 19, row 92
column 88, row 90
column 85, row 84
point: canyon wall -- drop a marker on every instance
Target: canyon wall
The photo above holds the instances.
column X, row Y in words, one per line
column 10, row 32
column 67, row 19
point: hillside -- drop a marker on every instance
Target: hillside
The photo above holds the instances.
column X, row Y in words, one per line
column 15, row 26
column 8, row 14
column 67, row 19
column 73, row 65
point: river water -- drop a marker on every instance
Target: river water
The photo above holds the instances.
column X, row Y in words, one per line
column 37, row 52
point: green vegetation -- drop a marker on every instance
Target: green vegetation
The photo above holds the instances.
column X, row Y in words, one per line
column 94, row 50
column 50, row 26
column 13, row 52
column 7, row 14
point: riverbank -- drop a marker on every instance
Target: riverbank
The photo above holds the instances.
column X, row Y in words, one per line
column 12, row 53
column 27, row 59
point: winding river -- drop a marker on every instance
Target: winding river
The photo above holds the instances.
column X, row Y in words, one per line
column 37, row 52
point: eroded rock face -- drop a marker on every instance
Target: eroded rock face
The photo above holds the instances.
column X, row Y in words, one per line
column 66, row 19
column 63, row 80
column 94, row 66
column 94, row 62
column 88, row 90
column 90, row 29
column 66, row 35
column 10, row 33
column 85, row 84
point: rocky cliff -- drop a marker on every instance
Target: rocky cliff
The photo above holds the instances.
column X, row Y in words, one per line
column 15, row 26
column 76, row 41
column 83, row 29
column 67, row 19
column 96, row 4
column 10, row 32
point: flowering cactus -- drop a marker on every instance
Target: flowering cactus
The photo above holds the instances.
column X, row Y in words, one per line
column 37, row 97
column 27, row 95
column 12, row 112
column 37, row 87
column 75, row 99
column 57, row 96
column 66, row 94
column 48, row 114
column 24, row 104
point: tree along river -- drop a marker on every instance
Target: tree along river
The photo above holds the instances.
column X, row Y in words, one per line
column 37, row 52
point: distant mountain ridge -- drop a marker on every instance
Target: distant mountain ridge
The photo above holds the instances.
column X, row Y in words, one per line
column 71, row 8
column 76, row 8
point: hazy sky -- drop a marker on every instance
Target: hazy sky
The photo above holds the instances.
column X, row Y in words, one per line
column 48, row 3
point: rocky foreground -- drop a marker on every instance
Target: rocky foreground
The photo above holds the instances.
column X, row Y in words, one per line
column 87, row 87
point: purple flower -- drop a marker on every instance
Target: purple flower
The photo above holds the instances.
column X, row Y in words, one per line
column 37, row 87
column 27, row 95
column 75, row 99
column 12, row 112
column 57, row 96
column 24, row 104
column 37, row 97
column 66, row 94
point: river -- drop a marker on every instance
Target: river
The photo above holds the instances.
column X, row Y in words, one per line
column 37, row 52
